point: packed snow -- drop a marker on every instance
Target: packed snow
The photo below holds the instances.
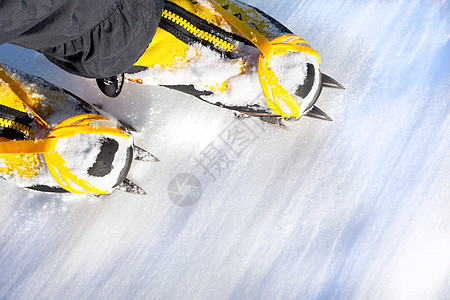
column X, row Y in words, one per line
column 357, row 208
column 80, row 153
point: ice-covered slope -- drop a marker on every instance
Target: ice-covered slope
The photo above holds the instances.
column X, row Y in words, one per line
column 358, row 208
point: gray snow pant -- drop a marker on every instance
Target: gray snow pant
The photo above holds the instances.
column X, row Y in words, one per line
column 90, row 38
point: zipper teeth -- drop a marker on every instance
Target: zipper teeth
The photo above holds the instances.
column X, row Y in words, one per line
column 16, row 126
column 206, row 36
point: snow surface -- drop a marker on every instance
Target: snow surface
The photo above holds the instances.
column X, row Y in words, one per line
column 358, row 208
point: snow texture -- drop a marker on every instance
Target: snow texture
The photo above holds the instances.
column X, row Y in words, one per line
column 354, row 209
column 81, row 152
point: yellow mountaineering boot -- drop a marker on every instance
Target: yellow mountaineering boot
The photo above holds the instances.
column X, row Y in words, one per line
column 52, row 141
column 235, row 56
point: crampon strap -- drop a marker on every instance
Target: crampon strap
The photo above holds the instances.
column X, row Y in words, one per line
column 23, row 96
column 273, row 91
column 79, row 124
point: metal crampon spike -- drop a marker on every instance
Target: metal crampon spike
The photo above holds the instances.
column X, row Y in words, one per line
column 317, row 113
column 143, row 155
column 328, row 82
column 130, row 187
